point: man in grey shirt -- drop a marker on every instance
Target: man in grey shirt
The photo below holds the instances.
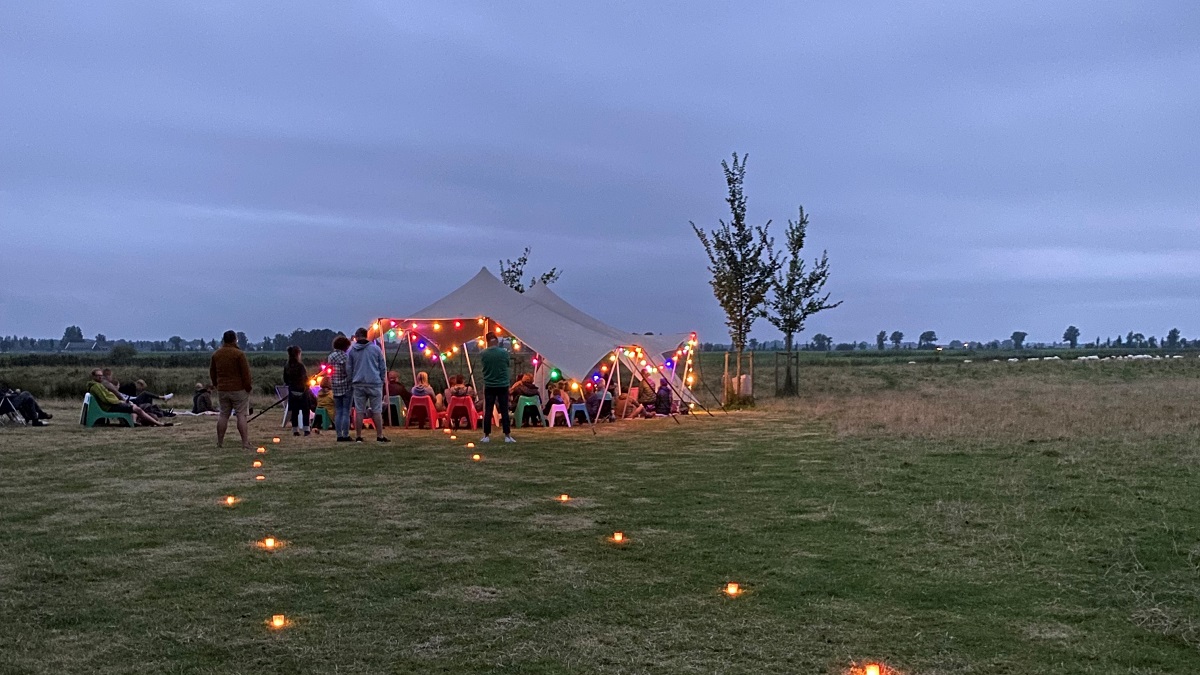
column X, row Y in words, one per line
column 367, row 372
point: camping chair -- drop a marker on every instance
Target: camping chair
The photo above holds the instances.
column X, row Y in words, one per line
column 430, row 415
column 460, row 407
column 9, row 413
column 281, row 394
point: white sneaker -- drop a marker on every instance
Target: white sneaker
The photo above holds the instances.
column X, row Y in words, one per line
column 168, row 397
column 509, row 439
column 485, row 439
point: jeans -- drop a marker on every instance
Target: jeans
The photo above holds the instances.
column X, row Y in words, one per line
column 495, row 398
column 341, row 415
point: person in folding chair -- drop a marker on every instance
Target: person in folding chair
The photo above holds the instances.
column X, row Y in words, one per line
column 17, row 402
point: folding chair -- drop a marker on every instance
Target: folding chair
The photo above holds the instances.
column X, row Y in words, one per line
column 281, row 394
column 9, row 415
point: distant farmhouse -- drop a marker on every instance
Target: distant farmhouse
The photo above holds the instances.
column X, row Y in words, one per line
column 87, row 346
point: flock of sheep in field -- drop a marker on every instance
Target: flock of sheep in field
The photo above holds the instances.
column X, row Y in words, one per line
column 1090, row 357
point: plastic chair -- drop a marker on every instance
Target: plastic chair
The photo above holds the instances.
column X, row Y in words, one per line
column 524, row 402
column 577, row 408
column 421, row 403
column 557, row 409
column 92, row 413
column 321, row 420
column 396, row 412
column 460, row 407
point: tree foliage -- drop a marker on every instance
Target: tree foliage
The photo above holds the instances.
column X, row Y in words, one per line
column 72, row 334
column 1071, row 335
column 880, row 340
column 1018, row 338
column 742, row 260
column 897, row 337
column 512, row 273
column 797, row 291
column 927, row 340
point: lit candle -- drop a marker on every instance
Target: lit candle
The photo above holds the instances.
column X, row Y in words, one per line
column 275, row 439
column 470, row 445
column 446, row 430
column 476, row 457
column 732, row 589
column 453, row 437
column 618, row 537
column 261, row 450
column 257, row 464
column 260, row 477
column 278, row 621
column 269, row 542
column 230, row 500
column 564, row 497
column 872, row 669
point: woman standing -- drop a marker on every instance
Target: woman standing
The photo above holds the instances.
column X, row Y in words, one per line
column 296, row 377
column 339, row 382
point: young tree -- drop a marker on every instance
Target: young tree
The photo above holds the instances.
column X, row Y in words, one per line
column 897, row 337
column 512, row 273
column 928, row 339
column 880, row 340
column 743, row 262
column 1071, row 335
column 797, row 292
column 1018, row 338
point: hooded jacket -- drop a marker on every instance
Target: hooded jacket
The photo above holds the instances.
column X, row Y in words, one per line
column 364, row 364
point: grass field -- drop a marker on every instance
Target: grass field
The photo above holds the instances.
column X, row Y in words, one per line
column 936, row 518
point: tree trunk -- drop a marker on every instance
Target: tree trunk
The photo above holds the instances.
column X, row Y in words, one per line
column 789, row 386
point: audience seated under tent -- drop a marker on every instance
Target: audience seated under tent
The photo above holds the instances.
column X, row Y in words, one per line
column 396, row 388
column 524, row 386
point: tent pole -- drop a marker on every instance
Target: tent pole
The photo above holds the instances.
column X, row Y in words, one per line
column 383, row 351
column 710, row 391
column 470, row 369
column 412, row 360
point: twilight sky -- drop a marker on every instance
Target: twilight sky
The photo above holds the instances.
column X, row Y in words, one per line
column 972, row 168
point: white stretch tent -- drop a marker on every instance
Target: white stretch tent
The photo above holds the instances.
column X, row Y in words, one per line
column 565, row 336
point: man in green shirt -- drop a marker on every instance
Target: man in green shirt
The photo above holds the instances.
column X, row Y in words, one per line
column 496, row 378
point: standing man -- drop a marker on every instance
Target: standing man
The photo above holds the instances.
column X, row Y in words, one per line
column 367, row 374
column 229, row 372
column 495, row 387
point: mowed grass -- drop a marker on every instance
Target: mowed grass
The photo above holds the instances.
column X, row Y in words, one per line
column 893, row 541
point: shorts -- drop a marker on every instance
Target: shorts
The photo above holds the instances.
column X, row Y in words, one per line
column 368, row 398
column 234, row 401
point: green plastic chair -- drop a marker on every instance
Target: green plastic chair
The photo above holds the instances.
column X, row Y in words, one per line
column 321, row 420
column 92, row 413
column 519, row 410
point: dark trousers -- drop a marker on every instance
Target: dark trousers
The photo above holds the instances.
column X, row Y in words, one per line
column 298, row 405
column 28, row 406
column 495, row 398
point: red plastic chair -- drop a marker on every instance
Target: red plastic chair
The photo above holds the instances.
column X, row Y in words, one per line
column 462, row 406
column 421, row 403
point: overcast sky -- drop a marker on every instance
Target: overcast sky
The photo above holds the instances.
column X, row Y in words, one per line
column 972, row 169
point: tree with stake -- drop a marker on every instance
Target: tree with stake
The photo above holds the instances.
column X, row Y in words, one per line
column 797, row 292
column 743, row 264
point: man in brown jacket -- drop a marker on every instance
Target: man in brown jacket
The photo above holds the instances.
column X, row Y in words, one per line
column 230, row 374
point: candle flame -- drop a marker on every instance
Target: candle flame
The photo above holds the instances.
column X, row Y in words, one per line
column 260, row 477
column 564, row 497
column 476, row 457
column 733, row 590
column 230, row 500
column 618, row 537
column 278, row 621
column 257, row 464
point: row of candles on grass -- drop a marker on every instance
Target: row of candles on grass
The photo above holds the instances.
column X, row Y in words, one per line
column 732, row 589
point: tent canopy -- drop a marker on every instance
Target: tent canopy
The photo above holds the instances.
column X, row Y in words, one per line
column 565, row 336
